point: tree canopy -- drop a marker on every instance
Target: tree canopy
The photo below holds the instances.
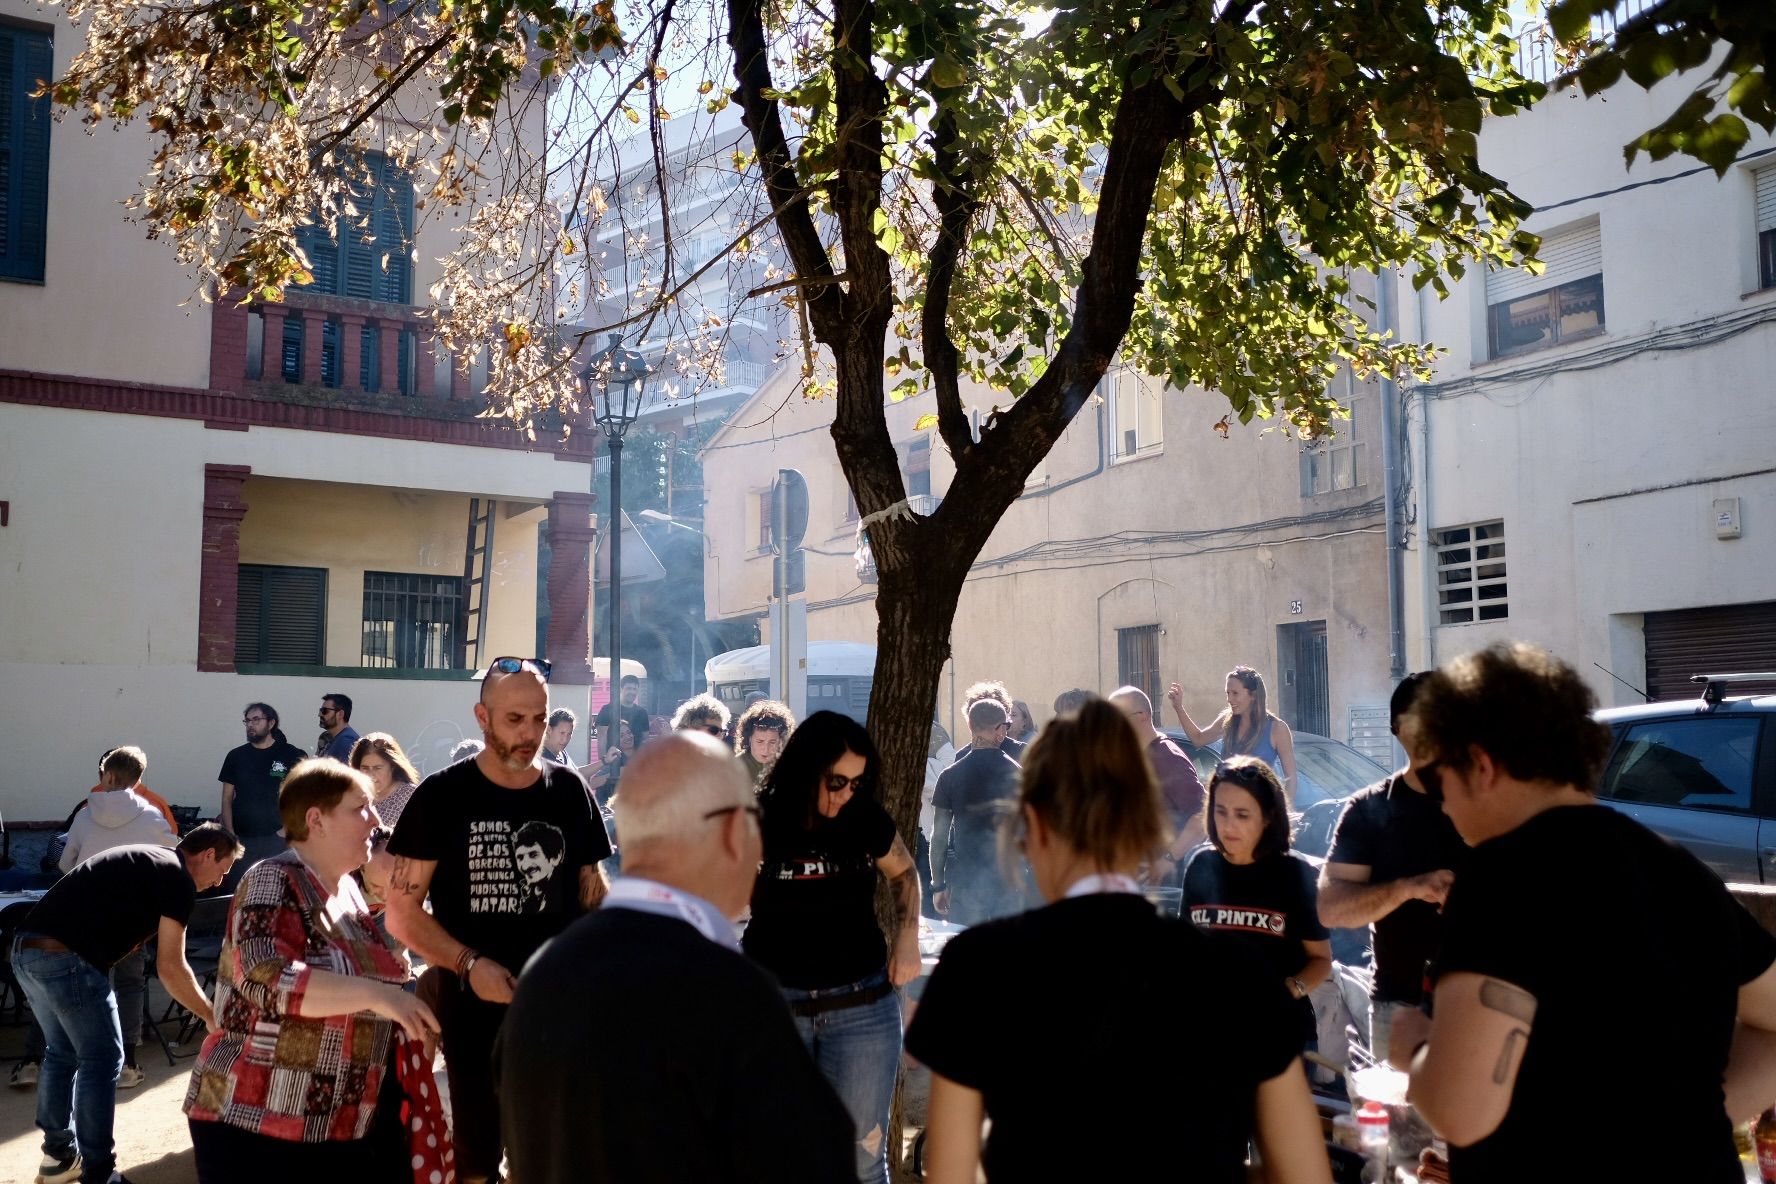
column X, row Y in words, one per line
column 1013, row 193
column 1649, row 42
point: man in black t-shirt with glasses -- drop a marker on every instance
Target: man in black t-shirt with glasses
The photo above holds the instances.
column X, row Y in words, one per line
column 1571, row 935
column 507, row 846
column 62, row 956
column 1394, row 856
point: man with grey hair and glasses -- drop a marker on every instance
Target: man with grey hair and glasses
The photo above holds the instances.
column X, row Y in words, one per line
column 642, row 1045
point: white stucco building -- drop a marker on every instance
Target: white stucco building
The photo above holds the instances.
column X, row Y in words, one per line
column 1592, row 465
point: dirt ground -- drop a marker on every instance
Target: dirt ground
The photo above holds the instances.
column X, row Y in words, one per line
column 153, row 1146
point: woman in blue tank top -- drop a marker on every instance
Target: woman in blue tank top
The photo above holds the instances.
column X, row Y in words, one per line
column 1246, row 728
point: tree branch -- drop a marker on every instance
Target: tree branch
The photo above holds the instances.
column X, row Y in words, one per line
column 764, row 120
column 957, row 202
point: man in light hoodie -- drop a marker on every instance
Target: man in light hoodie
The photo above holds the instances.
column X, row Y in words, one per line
column 115, row 816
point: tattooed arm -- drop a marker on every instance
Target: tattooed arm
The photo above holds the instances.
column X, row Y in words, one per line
column 1465, row 1065
column 419, row 931
column 903, row 882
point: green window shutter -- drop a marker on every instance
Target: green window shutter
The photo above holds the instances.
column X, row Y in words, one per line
column 323, row 258
column 281, row 615
column 394, row 233
column 26, row 60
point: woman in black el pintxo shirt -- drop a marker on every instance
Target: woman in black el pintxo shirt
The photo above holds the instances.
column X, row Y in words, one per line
column 814, row 926
column 1061, row 1024
column 1249, row 890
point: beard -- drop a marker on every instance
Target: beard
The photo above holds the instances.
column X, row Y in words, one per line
column 512, row 756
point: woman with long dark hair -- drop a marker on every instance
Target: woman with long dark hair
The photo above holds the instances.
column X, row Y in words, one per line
column 826, row 840
column 1246, row 727
column 998, row 1048
column 1246, row 887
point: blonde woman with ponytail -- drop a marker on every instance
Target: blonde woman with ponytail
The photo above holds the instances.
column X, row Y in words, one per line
column 1073, row 1008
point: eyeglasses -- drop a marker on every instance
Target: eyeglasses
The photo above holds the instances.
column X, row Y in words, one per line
column 838, row 783
column 752, row 810
column 714, row 729
column 330, row 711
column 540, row 666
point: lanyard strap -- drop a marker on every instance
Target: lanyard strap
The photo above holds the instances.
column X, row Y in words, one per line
column 651, row 896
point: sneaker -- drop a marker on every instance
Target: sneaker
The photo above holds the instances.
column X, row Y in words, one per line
column 129, row 1077
column 59, row 1171
column 24, row 1075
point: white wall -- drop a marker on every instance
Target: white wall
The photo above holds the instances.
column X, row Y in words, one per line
column 1536, row 439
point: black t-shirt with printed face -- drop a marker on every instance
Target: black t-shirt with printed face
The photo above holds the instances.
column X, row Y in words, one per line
column 257, row 775
column 113, row 902
column 1398, row 832
column 1635, row 953
column 509, row 860
column 1102, row 1095
column 1266, row 908
column 814, row 905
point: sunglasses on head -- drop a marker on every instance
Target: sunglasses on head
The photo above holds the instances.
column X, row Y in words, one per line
column 540, row 666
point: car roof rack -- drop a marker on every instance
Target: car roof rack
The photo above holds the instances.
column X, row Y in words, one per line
column 1713, row 684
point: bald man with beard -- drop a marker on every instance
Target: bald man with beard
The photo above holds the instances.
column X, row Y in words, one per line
column 467, row 839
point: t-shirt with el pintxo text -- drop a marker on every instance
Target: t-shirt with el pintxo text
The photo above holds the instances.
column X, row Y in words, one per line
column 509, row 860
column 1635, row 953
column 1266, row 909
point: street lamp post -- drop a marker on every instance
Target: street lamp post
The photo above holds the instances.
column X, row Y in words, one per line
column 615, row 383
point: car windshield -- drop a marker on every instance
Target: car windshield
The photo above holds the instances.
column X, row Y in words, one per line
column 1338, row 770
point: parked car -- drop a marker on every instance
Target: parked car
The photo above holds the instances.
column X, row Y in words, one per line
column 1327, row 771
column 1701, row 772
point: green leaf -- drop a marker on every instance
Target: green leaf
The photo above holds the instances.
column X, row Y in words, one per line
column 925, row 423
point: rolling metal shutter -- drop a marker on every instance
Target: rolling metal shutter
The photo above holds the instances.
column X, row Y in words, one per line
column 1724, row 639
column 1766, row 198
column 1571, row 254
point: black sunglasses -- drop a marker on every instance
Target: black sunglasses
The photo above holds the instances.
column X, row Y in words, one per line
column 540, row 666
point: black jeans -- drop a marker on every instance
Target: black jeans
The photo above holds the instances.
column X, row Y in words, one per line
column 227, row 1154
column 469, row 1025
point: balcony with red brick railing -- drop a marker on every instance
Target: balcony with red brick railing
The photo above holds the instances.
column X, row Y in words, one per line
column 342, row 351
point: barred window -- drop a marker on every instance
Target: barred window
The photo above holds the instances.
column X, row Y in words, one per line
column 1471, row 574
column 412, row 622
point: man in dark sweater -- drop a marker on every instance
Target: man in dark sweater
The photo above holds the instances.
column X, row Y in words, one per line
column 641, row 1045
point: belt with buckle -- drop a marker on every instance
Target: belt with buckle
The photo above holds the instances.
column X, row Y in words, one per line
column 839, row 1002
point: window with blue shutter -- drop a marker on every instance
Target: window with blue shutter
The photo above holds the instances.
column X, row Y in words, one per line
column 26, row 61
column 368, row 255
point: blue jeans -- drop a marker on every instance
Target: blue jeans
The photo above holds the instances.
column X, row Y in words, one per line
column 83, row 1051
column 858, row 1051
column 129, row 979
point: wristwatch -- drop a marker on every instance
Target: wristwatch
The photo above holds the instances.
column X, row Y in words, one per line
column 1299, row 987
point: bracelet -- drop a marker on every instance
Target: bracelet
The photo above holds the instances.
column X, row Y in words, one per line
column 466, row 963
column 936, row 888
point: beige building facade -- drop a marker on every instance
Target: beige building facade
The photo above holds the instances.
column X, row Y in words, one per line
column 1147, row 549
column 206, row 504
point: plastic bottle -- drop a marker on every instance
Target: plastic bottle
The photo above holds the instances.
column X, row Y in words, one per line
column 1372, row 1132
column 1764, row 1136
